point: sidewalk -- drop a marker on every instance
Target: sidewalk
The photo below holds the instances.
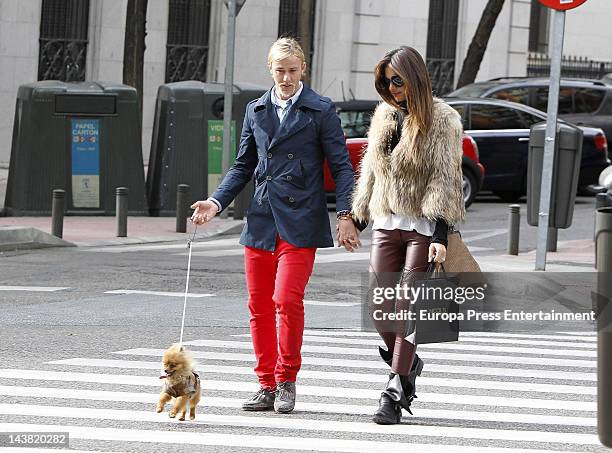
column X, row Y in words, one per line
column 572, row 256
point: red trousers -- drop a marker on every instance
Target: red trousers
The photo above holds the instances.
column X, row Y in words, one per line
column 276, row 282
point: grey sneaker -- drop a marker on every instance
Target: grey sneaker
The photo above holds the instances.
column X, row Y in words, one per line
column 285, row 397
column 263, row 400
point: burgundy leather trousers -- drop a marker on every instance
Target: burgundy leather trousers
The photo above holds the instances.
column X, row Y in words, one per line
column 394, row 252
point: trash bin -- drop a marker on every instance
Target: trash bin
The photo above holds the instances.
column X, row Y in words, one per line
column 82, row 137
column 187, row 141
column 566, row 168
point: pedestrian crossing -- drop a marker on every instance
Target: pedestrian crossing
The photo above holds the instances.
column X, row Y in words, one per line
column 472, row 397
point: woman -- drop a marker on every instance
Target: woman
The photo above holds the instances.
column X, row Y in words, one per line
column 410, row 187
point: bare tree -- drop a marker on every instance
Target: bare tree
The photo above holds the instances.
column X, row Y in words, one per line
column 478, row 46
column 134, row 46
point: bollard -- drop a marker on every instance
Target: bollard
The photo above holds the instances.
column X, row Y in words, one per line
column 57, row 212
column 551, row 242
column 601, row 201
column 121, row 211
column 182, row 204
column 603, row 264
column 514, row 225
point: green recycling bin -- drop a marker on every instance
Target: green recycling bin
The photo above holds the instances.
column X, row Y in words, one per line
column 187, row 141
column 82, row 137
column 566, row 169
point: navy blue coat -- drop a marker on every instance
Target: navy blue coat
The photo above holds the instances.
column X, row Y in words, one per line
column 287, row 161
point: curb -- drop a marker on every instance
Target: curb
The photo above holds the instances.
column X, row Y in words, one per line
column 23, row 238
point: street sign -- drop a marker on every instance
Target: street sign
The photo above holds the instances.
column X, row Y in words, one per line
column 562, row 5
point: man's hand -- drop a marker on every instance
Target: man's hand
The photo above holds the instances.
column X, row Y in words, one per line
column 437, row 253
column 347, row 235
column 205, row 210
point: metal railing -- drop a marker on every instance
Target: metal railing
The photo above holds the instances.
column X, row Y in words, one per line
column 538, row 65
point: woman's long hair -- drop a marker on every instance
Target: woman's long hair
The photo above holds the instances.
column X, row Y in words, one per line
column 409, row 65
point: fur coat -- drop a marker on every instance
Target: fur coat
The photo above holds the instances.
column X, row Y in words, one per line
column 424, row 181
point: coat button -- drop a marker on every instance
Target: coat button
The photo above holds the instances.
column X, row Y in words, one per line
column 291, row 199
column 289, row 156
column 289, row 178
column 269, row 178
column 269, row 155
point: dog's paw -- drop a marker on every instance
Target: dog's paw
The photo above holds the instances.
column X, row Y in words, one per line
column 171, row 414
column 182, row 418
column 159, row 409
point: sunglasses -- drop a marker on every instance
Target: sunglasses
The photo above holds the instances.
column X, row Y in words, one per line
column 395, row 80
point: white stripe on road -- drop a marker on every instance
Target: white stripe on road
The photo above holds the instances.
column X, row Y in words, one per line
column 377, row 342
column 379, row 365
column 213, row 253
column 267, row 443
column 421, row 414
column 458, row 346
column 484, row 235
column 38, row 289
column 341, row 256
column 435, row 355
column 303, row 424
column 346, row 377
column 313, row 390
column 157, row 293
column 463, row 335
column 164, row 247
column 331, row 304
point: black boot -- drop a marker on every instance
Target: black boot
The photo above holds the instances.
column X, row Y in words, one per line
column 408, row 382
column 391, row 402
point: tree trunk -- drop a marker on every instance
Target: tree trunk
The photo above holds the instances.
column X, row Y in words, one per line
column 134, row 46
column 477, row 48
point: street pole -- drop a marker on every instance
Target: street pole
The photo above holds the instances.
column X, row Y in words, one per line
column 229, row 88
column 558, row 27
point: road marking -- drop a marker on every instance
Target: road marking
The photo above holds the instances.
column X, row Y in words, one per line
column 312, row 390
column 353, row 377
column 486, row 234
column 304, row 424
column 462, row 339
column 435, row 354
column 421, row 414
column 464, row 335
column 157, row 293
column 164, row 247
column 40, row 289
column 267, row 443
column 331, row 304
column 379, row 365
column 213, row 253
column 341, row 256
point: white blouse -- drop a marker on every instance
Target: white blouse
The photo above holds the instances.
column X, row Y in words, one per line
column 421, row 225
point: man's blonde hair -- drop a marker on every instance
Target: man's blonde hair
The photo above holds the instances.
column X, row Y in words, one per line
column 284, row 48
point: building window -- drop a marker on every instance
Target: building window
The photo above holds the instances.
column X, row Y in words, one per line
column 539, row 21
column 296, row 19
column 187, row 47
column 63, row 40
column 441, row 44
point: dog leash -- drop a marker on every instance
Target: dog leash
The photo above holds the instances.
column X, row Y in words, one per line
column 189, row 243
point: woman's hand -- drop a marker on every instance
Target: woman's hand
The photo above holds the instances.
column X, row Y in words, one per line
column 437, row 253
column 347, row 235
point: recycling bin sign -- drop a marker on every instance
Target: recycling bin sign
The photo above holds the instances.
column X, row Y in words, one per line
column 85, row 139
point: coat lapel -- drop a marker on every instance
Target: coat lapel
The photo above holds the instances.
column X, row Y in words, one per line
column 296, row 118
column 265, row 116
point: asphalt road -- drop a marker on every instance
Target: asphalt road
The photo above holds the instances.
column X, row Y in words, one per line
column 84, row 329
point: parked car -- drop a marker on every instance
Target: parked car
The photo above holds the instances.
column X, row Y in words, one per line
column 473, row 171
column 501, row 130
column 581, row 101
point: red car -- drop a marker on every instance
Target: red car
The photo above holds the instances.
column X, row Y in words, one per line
column 473, row 171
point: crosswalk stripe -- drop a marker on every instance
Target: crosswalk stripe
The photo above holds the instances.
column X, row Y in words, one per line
column 420, row 414
column 565, row 362
column 370, row 364
column 458, row 346
column 37, row 289
column 589, row 337
column 331, row 304
column 213, row 253
column 250, row 441
column 313, row 390
column 158, row 293
column 350, row 377
column 164, row 247
column 303, row 424
column 378, row 342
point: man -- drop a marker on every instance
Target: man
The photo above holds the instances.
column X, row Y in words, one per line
column 286, row 136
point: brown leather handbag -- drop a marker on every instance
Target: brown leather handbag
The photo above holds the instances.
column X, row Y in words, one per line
column 459, row 260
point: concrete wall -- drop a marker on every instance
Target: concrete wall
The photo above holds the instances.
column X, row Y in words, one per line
column 19, row 30
column 588, row 31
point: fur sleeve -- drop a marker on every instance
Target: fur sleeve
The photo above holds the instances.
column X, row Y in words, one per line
column 444, row 194
column 363, row 189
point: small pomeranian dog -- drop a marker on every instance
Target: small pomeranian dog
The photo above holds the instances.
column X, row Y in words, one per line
column 182, row 383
